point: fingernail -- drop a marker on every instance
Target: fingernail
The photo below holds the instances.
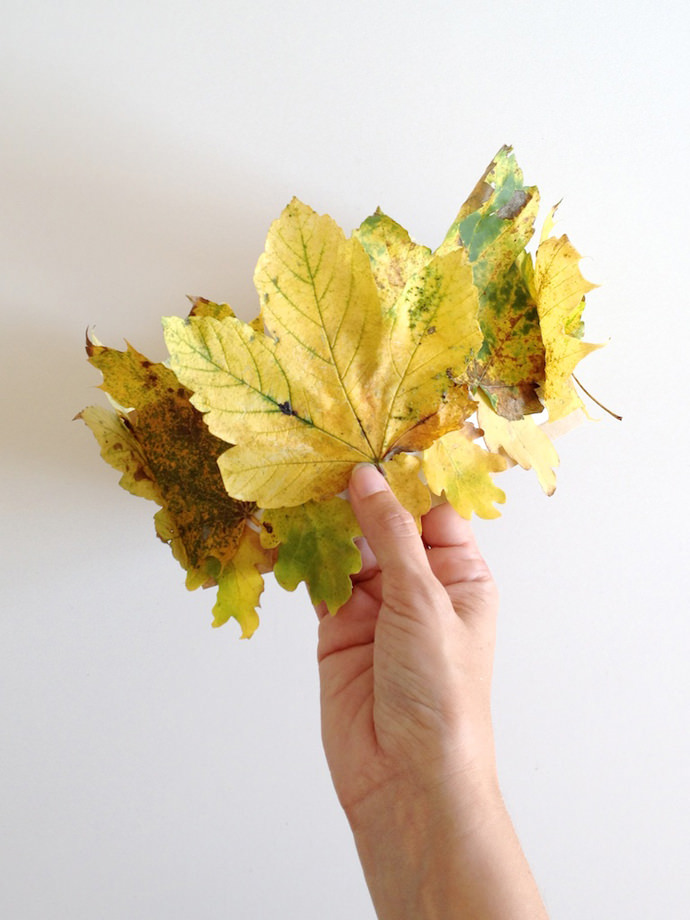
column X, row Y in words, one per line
column 367, row 480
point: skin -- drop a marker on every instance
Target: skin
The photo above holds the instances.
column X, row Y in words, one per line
column 405, row 670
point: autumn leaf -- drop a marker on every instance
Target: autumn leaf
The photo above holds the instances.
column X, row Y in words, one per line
column 495, row 224
column 315, row 544
column 403, row 473
column 521, row 440
column 559, row 290
column 334, row 381
column 459, row 469
column 240, row 585
column 166, row 453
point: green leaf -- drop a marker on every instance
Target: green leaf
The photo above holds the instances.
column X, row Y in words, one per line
column 315, row 545
column 495, row 224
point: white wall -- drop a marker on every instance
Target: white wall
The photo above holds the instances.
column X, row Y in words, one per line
column 151, row 767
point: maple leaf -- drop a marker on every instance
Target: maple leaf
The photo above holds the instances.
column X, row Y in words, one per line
column 166, row 453
column 495, row 224
column 335, row 380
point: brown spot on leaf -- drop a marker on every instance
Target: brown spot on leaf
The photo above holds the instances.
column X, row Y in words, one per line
column 517, row 202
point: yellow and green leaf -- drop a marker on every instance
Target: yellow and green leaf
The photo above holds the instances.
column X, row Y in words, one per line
column 393, row 254
column 494, row 225
column 315, row 544
column 333, row 382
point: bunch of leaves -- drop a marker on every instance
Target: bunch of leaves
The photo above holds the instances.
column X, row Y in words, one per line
column 368, row 348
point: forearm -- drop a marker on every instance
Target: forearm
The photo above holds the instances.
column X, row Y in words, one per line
column 429, row 859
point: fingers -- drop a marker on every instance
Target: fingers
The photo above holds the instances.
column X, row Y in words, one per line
column 453, row 551
column 369, row 564
column 443, row 526
column 389, row 529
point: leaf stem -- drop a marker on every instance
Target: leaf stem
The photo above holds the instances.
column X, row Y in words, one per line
column 595, row 400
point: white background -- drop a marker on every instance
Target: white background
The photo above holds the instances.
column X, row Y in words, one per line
column 151, row 767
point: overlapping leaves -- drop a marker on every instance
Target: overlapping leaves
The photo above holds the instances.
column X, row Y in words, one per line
column 368, row 348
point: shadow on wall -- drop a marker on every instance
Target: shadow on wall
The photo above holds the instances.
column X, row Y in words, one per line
column 110, row 229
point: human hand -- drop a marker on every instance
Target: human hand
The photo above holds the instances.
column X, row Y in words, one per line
column 406, row 664
column 405, row 670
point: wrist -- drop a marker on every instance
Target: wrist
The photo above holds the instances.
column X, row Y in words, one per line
column 443, row 852
column 417, row 843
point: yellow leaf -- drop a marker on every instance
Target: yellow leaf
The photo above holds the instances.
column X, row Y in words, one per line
column 462, row 470
column 286, row 455
column 560, row 290
column 121, row 450
column 240, row 585
column 434, row 335
column 523, row 441
column 319, row 301
column 333, row 382
column 455, row 408
column 402, row 473
column 203, row 307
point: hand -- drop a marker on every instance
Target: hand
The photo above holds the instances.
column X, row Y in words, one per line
column 405, row 669
column 406, row 664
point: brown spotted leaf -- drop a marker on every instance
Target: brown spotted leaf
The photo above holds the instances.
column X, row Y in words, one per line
column 166, row 453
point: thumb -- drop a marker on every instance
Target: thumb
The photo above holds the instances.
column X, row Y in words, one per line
column 390, row 529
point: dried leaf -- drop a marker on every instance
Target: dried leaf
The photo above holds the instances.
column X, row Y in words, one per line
column 240, row 585
column 403, row 475
column 495, row 224
column 559, row 290
column 315, row 545
column 333, row 382
column 393, row 255
column 166, row 453
column 523, row 441
column 461, row 470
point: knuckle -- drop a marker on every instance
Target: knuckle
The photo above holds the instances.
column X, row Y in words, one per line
column 398, row 521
